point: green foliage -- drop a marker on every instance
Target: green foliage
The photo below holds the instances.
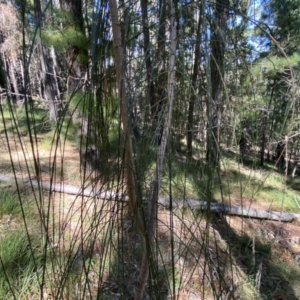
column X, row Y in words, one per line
column 9, row 202
column 275, row 64
column 20, row 259
column 294, row 183
column 17, row 118
column 79, row 102
column 62, row 40
column 285, row 21
column 256, row 97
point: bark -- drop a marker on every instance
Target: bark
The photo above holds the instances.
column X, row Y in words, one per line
column 9, row 71
column 47, row 81
column 265, row 123
column 98, row 83
column 120, row 72
column 9, row 51
column 55, row 73
column 37, row 10
column 161, row 81
column 13, row 80
column 218, row 44
column 74, row 7
column 190, row 123
column 76, row 69
column 263, row 142
column 147, row 53
column 3, row 73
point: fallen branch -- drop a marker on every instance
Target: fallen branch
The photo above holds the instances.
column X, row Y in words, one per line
column 62, row 188
column 219, row 208
column 222, row 208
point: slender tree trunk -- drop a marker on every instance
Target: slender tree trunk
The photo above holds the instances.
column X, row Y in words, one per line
column 5, row 74
column 13, row 80
column 9, row 76
column 148, row 61
column 120, row 72
column 74, row 7
column 190, row 123
column 263, row 140
column 55, row 72
column 161, row 79
column 98, row 81
column 9, row 49
column 218, row 44
column 48, row 83
column 47, row 89
column 160, row 158
column 76, row 69
column 265, row 123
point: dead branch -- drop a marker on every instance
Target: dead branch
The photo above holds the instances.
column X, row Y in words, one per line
column 61, row 188
column 222, row 208
column 193, row 204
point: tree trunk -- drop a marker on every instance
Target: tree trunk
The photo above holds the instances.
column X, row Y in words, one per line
column 160, row 158
column 3, row 74
column 12, row 74
column 74, row 7
column 161, row 81
column 9, row 75
column 47, row 83
column 263, row 142
column 120, row 72
column 147, row 53
column 218, row 44
column 190, row 123
column 265, row 123
column 76, row 69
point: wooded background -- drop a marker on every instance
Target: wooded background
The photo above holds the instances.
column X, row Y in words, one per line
column 137, row 85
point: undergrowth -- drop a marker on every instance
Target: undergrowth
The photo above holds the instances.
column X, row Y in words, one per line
column 81, row 247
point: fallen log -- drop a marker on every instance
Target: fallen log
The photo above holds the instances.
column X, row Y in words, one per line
column 222, row 208
column 219, row 208
column 62, row 188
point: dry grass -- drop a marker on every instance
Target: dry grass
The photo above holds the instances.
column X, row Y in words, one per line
column 94, row 248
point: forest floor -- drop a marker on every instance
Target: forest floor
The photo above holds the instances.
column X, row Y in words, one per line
column 249, row 258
